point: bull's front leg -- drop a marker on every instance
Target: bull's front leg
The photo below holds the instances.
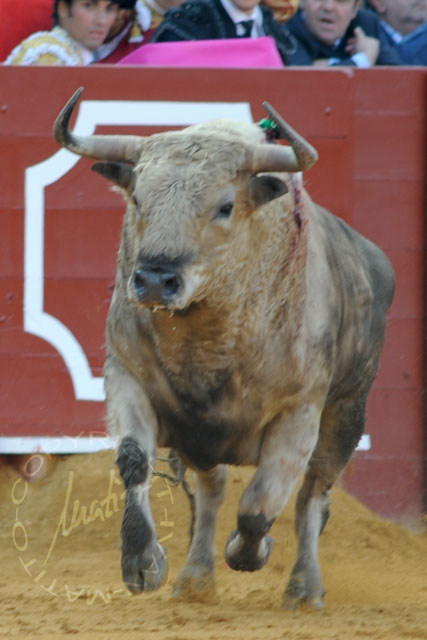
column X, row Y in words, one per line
column 143, row 558
column 131, row 418
column 196, row 580
column 286, row 449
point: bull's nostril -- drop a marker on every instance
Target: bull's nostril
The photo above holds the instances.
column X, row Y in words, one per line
column 171, row 286
column 156, row 284
column 139, row 282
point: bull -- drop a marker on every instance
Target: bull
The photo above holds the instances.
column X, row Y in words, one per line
column 245, row 328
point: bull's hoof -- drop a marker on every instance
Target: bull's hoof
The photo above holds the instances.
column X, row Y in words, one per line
column 195, row 583
column 247, row 553
column 299, row 593
column 145, row 571
column 291, row 603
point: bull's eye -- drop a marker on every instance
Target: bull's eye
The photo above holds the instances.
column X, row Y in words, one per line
column 225, row 210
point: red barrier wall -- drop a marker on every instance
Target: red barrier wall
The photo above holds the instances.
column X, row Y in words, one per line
column 369, row 127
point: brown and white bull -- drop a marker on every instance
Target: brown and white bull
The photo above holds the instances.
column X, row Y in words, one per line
column 245, row 328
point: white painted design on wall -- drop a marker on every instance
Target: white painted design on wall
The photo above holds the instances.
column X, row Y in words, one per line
column 36, row 320
column 91, row 113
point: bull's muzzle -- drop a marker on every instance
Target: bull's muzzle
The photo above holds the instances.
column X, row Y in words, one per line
column 156, row 284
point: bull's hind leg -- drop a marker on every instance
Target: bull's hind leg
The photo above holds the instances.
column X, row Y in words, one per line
column 341, row 427
column 196, row 580
column 131, row 418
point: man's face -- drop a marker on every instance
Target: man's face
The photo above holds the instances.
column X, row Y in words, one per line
column 404, row 15
column 88, row 21
column 328, row 20
column 247, row 6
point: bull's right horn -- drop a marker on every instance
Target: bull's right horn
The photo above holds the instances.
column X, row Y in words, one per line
column 110, row 148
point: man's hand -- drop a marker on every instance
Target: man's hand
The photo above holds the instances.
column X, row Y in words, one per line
column 361, row 43
column 321, row 62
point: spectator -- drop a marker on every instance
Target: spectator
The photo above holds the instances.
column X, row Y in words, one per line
column 80, row 27
column 136, row 22
column 399, row 18
column 219, row 19
column 127, row 32
column 413, row 48
column 339, row 33
column 158, row 9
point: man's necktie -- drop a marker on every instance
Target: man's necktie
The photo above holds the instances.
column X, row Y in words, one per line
column 247, row 28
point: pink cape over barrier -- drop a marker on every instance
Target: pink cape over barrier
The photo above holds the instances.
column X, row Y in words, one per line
column 235, row 52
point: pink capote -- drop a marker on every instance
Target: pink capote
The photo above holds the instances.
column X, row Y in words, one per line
column 234, row 52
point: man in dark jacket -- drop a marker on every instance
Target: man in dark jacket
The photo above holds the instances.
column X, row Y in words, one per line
column 219, row 19
column 338, row 33
column 413, row 48
column 399, row 18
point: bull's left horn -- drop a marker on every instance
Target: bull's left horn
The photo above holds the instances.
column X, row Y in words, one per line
column 111, row 148
column 299, row 157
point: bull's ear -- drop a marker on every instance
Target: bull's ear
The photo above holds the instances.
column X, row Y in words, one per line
column 264, row 188
column 121, row 174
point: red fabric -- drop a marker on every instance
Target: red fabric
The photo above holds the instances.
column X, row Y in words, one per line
column 20, row 19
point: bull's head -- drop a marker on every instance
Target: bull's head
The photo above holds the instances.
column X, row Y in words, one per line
column 183, row 191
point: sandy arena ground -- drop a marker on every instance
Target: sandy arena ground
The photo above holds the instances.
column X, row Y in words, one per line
column 60, row 562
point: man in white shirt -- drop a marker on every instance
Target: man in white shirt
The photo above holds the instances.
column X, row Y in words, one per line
column 222, row 19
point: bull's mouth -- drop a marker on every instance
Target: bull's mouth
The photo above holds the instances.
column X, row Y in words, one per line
column 178, row 305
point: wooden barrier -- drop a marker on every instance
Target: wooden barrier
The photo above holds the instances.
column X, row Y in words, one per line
column 60, row 227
